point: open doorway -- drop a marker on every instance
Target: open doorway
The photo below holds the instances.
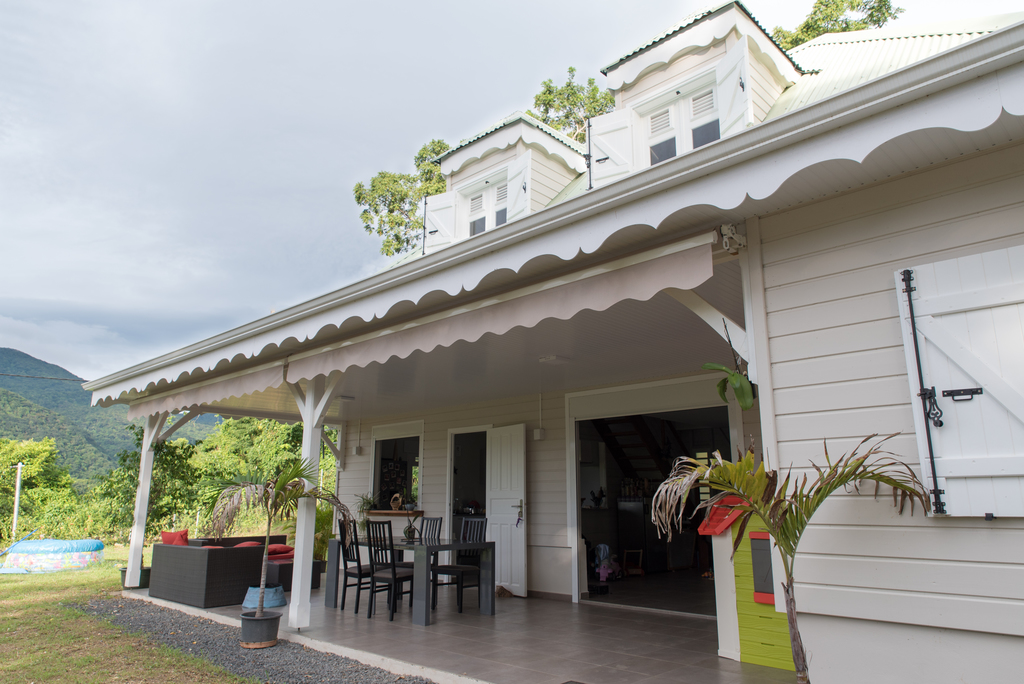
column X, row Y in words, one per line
column 469, row 477
column 622, row 460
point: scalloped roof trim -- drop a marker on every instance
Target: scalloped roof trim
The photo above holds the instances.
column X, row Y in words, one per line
column 517, row 117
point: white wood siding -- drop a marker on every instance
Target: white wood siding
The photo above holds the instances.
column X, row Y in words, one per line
column 548, row 553
column 550, row 176
column 838, row 372
column 764, row 90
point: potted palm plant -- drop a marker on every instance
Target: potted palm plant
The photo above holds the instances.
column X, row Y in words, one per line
column 785, row 513
column 277, row 495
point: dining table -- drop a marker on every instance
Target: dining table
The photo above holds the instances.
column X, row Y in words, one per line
column 423, row 551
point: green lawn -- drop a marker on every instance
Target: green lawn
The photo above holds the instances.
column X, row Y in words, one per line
column 42, row 641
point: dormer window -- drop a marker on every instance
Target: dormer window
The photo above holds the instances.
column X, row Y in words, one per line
column 683, row 124
column 488, row 208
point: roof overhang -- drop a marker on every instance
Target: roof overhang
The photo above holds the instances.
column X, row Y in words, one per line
column 955, row 103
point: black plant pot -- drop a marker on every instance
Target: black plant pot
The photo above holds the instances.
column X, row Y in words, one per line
column 260, row 632
column 143, row 582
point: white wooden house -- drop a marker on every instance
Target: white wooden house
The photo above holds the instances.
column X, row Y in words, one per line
column 735, row 189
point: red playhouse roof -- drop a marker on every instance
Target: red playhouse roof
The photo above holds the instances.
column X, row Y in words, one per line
column 721, row 517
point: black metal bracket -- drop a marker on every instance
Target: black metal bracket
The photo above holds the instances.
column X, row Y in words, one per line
column 931, row 407
column 932, row 412
column 962, row 394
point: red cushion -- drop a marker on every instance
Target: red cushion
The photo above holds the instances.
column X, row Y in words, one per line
column 248, row 543
column 179, row 538
column 282, row 556
column 276, row 549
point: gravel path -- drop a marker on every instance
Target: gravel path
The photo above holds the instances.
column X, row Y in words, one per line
column 217, row 643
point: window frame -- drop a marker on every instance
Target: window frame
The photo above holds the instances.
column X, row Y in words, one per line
column 380, row 433
column 678, row 100
column 487, row 187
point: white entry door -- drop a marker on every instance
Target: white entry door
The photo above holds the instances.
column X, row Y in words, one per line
column 506, row 505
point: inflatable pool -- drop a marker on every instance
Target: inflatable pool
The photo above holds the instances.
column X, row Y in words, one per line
column 51, row 555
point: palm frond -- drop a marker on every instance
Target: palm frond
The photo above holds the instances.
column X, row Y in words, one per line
column 784, row 507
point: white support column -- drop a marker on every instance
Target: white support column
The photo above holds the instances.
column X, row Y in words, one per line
column 138, row 538
column 152, row 434
column 313, row 405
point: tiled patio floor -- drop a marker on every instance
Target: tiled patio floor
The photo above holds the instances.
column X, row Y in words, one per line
column 531, row 641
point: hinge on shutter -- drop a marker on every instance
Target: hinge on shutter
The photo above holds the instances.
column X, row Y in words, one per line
column 932, row 412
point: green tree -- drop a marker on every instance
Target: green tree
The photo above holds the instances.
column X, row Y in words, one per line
column 392, row 201
column 173, row 493
column 833, row 16
column 42, row 482
column 265, row 444
column 567, row 108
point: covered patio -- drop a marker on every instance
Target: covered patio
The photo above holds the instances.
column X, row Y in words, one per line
column 530, row 641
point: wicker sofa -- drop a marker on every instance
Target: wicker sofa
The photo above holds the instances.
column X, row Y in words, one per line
column 206, row 577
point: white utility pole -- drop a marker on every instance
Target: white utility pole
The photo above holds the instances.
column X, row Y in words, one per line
column 17, row 500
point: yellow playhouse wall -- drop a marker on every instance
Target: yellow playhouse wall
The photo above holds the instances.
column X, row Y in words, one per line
column 764, row 633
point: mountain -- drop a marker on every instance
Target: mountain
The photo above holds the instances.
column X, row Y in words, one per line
column 22, row 419
column 88, row 437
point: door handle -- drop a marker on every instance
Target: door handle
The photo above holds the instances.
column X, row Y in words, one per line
column 520, row 508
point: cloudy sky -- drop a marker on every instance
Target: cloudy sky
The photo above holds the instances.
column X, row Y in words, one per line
column 169, row 170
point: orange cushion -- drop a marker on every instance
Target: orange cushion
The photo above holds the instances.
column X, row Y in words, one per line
column 248, row 543
column 179, row 538
column 276, row 549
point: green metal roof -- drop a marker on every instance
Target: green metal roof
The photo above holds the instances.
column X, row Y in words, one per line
column 577, row 186
column 686, row 23
column 845, row 60
column 517, row 117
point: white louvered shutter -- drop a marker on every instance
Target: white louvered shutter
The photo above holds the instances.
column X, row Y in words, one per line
column 661, row 123
column 735, row 110
column 611, row 146
column 440, row 220
column 702, row 104
column 519, row 187
column 970, row 328
column 476, row 204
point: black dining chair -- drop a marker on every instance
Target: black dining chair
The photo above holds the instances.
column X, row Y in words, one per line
column 464, row 572
column 430, row 528
column 383, row 569
column 353, row 567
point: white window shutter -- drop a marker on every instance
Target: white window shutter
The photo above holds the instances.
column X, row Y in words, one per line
column 661, row 122
column 702, row 104
column 440, row 220
column 519, row 187
column 969, row 314
column 611, row 146
column 735, row 111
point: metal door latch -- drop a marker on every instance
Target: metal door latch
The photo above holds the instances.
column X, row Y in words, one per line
column 962, row 394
